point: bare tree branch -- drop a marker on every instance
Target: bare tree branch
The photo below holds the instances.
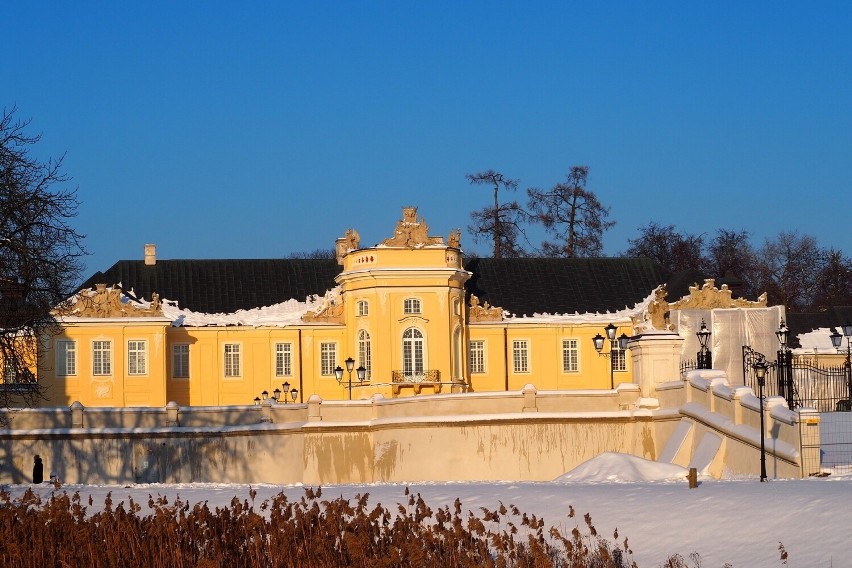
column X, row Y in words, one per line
column 40, row 254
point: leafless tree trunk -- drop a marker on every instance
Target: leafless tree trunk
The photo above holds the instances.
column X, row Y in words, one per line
column 40, row 255
column 572, row 214
column 500, row 223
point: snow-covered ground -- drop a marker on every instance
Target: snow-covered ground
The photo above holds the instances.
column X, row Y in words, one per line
column 739, row 521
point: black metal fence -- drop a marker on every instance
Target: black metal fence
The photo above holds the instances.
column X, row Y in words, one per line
column 801, row 382
column 835, row 443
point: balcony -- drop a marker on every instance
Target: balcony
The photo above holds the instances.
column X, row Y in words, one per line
column 416, row 380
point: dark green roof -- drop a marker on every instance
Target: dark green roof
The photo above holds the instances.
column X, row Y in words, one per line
column 523, row 286
column 832, row 318
column 223, row 286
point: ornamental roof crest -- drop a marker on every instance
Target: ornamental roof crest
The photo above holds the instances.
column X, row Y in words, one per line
column 485, row 312
column 411, row 232
column 107, row 302
column 330, row 309
column 705, row 297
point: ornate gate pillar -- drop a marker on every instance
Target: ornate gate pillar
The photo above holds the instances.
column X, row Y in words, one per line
column 656, row 360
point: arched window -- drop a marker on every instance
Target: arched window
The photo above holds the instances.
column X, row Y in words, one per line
column 364, row 353
column 412, row 352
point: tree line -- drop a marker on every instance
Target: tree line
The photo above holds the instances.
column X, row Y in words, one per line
column 792, row 268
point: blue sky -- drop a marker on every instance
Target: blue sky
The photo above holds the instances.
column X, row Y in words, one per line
column 218, row 130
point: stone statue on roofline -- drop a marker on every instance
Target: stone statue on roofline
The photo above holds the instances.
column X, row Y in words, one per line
column 411, row 232
column 350, row 241
column 454, row 240
column 485, row 312
column 106, row 302
column 704, row 297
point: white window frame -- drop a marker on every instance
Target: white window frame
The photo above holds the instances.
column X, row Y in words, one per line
column 10, row 372
column 412, row 306
column 619, row 360
column 365, row 352
column 137, row 357
column 66, row 358
column 232, row 360
column 102, row 357
column 363, row 308
column 520, row 356
column 328, row 358
column 476, row 352
column 570, row 356
column 413, row 351
column 284, row 359
column 180, row 360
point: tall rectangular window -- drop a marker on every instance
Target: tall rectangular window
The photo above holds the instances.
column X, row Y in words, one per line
column 521, row 356
column 570, row 356
column 9, row 371
column 283, row 359
column 137, row 358
column 66, row 358
column 477, row 356
column 619, row 360
column 180, row 361
column 328, row 358
column 232, row 360
column 101, row 357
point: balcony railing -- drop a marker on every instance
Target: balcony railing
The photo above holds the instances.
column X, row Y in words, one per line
column 413, row 377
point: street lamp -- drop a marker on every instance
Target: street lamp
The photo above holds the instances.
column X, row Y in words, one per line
column 836, row 339
column 785, row 365
column 294, row 392
column 704, row 357
column 360, row 372
column 760, row 368
column 614, row 347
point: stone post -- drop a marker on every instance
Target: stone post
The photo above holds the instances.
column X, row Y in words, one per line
column 314, row 412
column 172, row 409
column 656, row 359
column 266, row 411
column 529, row 392
column 77, row 414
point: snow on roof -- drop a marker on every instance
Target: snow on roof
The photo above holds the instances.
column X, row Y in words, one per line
column 578, row 318
column 289, row 312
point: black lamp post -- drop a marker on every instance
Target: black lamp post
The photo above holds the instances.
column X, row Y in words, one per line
column 294, row 392
column 785, row 366
column 360, row 372
column 836, row 341
column 614, row 346
column 760, row 368
column 704, row 357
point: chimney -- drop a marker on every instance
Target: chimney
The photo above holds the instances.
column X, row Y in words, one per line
column 150, row 255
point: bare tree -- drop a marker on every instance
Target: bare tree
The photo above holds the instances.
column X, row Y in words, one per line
column 572, row 214
column 668, row 248
column 499, row 223
column 834, row 281
column 320, row 253
column 40, row 254
column 788, row 269
column 730, row 255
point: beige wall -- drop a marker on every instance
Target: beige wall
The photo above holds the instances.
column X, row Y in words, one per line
column 520, row 435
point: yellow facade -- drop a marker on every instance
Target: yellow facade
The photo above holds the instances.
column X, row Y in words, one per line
column 400, row 311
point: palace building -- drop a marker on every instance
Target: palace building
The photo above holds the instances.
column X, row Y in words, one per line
column 409, row 316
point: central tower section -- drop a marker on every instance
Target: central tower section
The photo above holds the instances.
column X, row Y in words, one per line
column 404, row 306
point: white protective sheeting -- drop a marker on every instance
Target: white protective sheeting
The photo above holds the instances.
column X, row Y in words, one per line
column 730, row 329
